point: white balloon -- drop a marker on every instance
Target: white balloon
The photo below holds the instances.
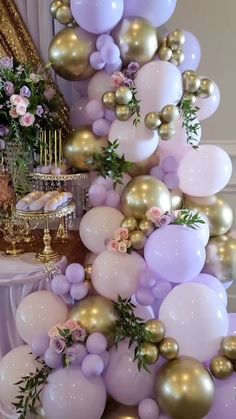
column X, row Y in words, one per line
column 158, row 83
column 202, row 230
column 37, row 313
column 116, row 274
column 99, row 84
column 97, row 226
column 136, row 143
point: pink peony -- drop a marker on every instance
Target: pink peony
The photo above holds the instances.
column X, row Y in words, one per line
column 21, row 109
column 16, row 100
column 71, row 324
column 122, row 248
column 13, row 113
column 113, row 246
column 25, row 101
column 117, row 79
column 27, row 120
column 79, row 334
column 121, row 233
column 154, row 214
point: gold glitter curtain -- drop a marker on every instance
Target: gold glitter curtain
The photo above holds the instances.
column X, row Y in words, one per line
column 16, row 42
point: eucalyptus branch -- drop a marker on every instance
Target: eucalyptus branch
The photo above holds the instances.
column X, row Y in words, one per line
column 189, row 115
column 134, row 107
column 189, row 219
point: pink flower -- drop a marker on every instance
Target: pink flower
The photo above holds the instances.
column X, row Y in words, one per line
column 112, row 246
column 71, row 324
column 13, row 113
column 122, row 248
column 25, row 101
column 27, row 120
column 154, row 214
column 79, row 334
column 117, row 79
column 16, row 100
column 21, row 109
column 54, row 332
column 34, row 77
column 121, row 233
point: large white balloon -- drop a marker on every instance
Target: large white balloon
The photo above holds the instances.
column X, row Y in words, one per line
column 37, row 313
column 97, row 226
column 158, row 83
column 116, row 274
column 195, row 316
column 136, row 143
column 99, row 84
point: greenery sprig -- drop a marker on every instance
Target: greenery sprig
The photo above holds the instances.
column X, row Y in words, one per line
column 189, row 114
column 134, row 107
column 189, row 219
column 30, row 388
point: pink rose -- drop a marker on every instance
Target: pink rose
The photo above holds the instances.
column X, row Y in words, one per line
column 27, row 120
column 122, row 248
column 121, row 233
column 71, row 324
column 118, row 79
column 21, row 109
column 53, row 332
column 113, row 246
column 154, row 214
column 13, row 113
column 16, row 100
column 25, row 101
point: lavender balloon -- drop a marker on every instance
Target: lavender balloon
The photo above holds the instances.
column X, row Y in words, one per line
column 76, row 353
column 147, row 278
column 75, row 273
column 79, row 291
column 78, row 114
column 53, row 359
column 161, row 289
column 232, row 324
column 94, row 109
column 97, row 195
column 224, row 405
column 40, row 344
column 192, row 53
column 92, row 366
column 112, row 199
column 96, row 60
column 101, row 127
column 60, row 285
column 96, row 343
column 156, row 11
column 144, row 296
column 103, row 40
column 171, row 180
column 111, row 68
column 148, row 409
column 110, row 53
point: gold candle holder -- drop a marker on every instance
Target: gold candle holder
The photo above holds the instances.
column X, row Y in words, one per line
column 51, row 148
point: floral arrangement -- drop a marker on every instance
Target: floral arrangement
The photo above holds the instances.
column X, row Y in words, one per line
column 121, row 241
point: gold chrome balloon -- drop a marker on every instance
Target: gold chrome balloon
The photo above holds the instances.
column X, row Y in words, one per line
column 155, row 331
column 221, row 258
column 123, row 95
column 176, row 199
column 191, row 81
column 166, row 131
column 170, row 113
column 95, row 314
column 149, row 352
column 190, row 97
column 137, row 239
column 177, row 57
column 69, row 53
column 137, row 40
column 169, row 348
column 64, row 15
column 118, row 411
column 88, row 272
column 54, row 6
column 206, row 88
column 228, row 347
column 80, row 147
column 109, row 100
column 184, row 389
column 123, row 112
column 147, row 227
column 221, row 367
column 175, row 39
column 130, row 223
column 143, row 193
column 153, row 120
column 144, row 167
column 218, row 212
column 164, row 53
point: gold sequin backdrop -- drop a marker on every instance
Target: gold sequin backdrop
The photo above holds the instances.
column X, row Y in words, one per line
column 16, row 42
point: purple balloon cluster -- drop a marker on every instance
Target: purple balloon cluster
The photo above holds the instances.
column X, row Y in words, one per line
column 101, row 118
column 101, row 193
column 71, row 285
column 97, row 359
column 151, row 288
column 167, row 172
column 107, row 56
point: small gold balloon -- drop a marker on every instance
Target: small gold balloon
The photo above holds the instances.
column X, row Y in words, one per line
column 228, row 347
column 184, row 389
column 64, row 15
column 137, row 40
column 144, row 167
column 149, row 352
column 206, row 88
column 137, row 239
column 54, row 6
column 122, row 112
column 169, row 348
column 221, row 368
column 130, row 223
column 118, row 411
column 166, row 131
column 69, row 53
column 88, row 272
column 175, row 39
column 218, row 212
column 153, row 120
column 177, row 57
column 95, row 314
column 123, row 95
column 109, row 100
column 190, row 97
column 191, row 81
column 164, row 53
column 162, row 42
column 147, row 227
column 80, row 147
column 143, row 193
column 170, row 113
column 176, row 199
column 156, row 330
column 221, row 258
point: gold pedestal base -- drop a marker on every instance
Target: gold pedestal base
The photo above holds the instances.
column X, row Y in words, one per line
column 14, row 252
column 45, row 257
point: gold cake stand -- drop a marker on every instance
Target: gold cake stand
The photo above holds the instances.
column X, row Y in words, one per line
column 47, row 255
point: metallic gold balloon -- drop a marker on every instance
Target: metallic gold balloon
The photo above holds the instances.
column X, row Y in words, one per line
column 153, row 120
column 64, row 15
column 175, row 39
column 206, row 88
column 170, row 113
column 164, row 53
column 130, row 223
column 118, row 411
column 166, row 131
column 69, row 53
column 144, row 167
column 95, row 314
column 123, row 95
column 184, row 389
column 80, row 147
column 137, row 40
column 156, row 330
column 228, row 347
column 137, row 239
column 176, row 199
column 191, row 81
column 109, row 100
column 218, row 212
column 149, row 352
column 88, row 272
column 221, row 367
column 190, row 97
column 54, row 6
column 147, row 227
column 221, row 258
column 177, row 57
column 143, row 193
column 123, row 112
column 169, row 348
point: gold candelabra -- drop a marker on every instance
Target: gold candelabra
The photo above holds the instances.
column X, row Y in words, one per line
column 14, row 231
